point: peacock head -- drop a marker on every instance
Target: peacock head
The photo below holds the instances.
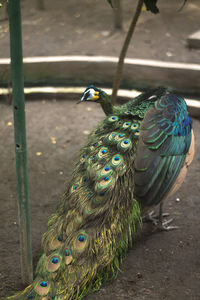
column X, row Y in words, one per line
column 91, row 94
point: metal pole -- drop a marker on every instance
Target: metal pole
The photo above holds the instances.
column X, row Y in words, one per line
column 20, row 138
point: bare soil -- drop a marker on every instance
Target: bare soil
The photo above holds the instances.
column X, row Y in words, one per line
column 77, row 27
column 160, row 266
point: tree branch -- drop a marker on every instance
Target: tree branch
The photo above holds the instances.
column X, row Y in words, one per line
column 120, row 65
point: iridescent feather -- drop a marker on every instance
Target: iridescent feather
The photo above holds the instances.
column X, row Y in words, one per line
column 130, row 163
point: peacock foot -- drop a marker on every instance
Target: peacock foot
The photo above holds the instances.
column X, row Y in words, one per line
column 157, row 221
column 153, row 218
column 163, row 226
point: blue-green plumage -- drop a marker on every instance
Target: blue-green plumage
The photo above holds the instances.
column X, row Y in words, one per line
column 165, row 140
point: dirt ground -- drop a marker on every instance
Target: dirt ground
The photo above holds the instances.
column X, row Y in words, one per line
column 160, row 266
column 77, row 27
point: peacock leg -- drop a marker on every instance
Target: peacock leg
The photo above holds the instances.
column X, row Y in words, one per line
column 163, row 226
column 151, row 217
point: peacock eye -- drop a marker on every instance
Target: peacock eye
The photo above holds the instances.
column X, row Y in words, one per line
column 30, row 296
column 107, row 168
column 43, row 283
column 55, row 260
column 81, row 238
column 102, row 193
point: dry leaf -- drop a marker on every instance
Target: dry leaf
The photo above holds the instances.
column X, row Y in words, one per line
column 38, row 153
column 77, row 15
column 53, row 140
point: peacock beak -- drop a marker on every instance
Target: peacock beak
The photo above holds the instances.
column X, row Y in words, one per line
column 79, row 101
column 82, row 99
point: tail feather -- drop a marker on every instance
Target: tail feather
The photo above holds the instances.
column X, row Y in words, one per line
column 94, row 225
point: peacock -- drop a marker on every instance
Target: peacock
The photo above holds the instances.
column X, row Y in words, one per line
column 133, row 160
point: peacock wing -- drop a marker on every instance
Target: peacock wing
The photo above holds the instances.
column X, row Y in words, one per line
column 162, row 148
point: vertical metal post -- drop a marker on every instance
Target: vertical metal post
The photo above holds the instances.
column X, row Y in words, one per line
column 20, row 138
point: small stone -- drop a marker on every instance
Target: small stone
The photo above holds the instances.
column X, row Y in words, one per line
column 178, row 200
column 105, row 33
column 169, row 54
column 139, row 275
column 168, row 34
column 61, row 172
column 146, row 291
column 9, row 123
column 86, row 132
column 181, row 243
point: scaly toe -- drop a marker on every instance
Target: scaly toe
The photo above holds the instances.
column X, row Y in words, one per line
column 163, row 226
